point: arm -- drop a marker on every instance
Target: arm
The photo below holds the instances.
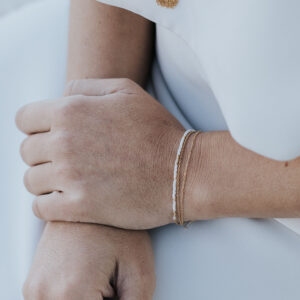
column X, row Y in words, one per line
column 224, row 179
column 108, row 42
column 83, row 261
column 125, row 179
column 231, row 181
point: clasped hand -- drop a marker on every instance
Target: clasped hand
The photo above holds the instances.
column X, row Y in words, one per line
column 102, row 154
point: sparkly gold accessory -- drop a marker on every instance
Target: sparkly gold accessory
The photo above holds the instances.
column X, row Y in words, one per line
column 167, row 3
column 184, row 178
column 177, row 165
column 179, row 182
column 178, row 177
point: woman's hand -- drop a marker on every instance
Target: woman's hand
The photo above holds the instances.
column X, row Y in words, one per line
column 84, row 261
column 104, row 154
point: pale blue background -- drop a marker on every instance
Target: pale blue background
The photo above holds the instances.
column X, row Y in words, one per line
column 32, row 67
column 215, row 260
column 7, row 6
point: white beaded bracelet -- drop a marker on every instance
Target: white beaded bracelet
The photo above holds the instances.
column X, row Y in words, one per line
column 174, row 193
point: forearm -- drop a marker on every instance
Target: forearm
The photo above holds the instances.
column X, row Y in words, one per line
column 228, row 180
column 108, row 42
column 224, row 179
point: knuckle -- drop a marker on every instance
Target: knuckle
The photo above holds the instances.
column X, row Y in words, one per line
column 66, row 109
column 77, row 198
column 68, row 172
column 77, row 207
column 62, row 141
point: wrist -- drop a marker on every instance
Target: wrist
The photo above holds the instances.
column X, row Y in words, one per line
column 199, row 196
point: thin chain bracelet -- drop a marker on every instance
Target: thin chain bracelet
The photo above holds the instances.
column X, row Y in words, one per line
column 176, row 174
column 184, row 179
column 178, row 180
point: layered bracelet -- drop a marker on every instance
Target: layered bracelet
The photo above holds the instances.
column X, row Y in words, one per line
column 178, row 184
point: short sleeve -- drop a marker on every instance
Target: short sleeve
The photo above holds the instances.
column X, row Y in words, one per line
column 249, row 52
column 149, row 9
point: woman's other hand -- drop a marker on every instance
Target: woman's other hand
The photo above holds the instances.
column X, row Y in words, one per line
column 104, row 154
column 84, row 261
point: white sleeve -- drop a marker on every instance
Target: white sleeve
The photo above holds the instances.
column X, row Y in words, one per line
column 146, row 8
column 249, row 51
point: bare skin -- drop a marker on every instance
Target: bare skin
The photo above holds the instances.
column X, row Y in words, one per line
column 108, row 42
column 236, row 182
column 83, row 261
column 224, row 179
column 128, row 184
column 121, row 183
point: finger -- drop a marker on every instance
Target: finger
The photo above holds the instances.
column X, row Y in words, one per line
column 35, row 117
column 35, row 149
column 43, row 203
column 54, row 207
column 98, row 87
column 41, row 179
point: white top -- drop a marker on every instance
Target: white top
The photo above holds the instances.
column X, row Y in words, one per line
column 245, row 259
column 218, row 69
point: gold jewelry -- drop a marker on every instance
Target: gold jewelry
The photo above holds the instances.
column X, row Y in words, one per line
column 167, row 3
column 180, row 158
column 184, row 178
column 176, row 175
